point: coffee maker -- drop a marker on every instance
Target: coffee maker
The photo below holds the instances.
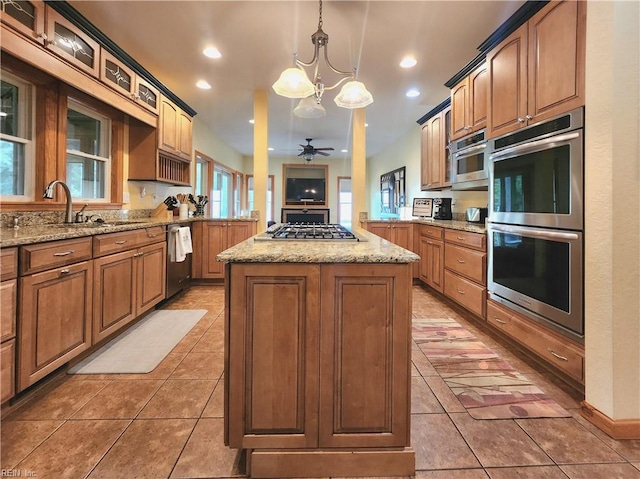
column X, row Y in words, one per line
column 442, row 209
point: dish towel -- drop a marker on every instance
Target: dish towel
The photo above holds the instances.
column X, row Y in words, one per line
column 183, row 243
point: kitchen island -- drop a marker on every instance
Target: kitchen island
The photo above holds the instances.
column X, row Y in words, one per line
column 318, row 355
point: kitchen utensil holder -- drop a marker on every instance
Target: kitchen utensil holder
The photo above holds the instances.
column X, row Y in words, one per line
column 199, row 210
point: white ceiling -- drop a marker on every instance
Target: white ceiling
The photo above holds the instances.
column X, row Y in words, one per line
column 258, row 38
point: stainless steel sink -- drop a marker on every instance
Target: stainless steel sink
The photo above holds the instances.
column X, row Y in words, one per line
column 98, row 224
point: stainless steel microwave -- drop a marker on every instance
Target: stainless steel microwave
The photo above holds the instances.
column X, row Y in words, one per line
column 469, row 162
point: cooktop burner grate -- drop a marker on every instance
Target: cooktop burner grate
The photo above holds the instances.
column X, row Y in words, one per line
column 310, row 231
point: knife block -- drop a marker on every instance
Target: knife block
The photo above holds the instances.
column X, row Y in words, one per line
column 161, row 211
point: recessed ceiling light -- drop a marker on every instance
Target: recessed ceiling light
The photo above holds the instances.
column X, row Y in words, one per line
column 270, row 149
column 412, row 92
column 408, row 62
column 203, row 84
column 366, row 125
column 252, row 121
column 345, row 151
column 212, row 52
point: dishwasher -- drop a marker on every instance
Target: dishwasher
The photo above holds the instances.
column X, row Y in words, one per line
column 178, row 273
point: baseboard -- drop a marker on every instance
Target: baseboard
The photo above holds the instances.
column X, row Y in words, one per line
column 617, row 429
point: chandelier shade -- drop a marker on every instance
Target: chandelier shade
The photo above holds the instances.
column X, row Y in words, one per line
column 309, row 108
column 294, row 82
column 353, row 95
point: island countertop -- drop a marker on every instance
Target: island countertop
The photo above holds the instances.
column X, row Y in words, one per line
column 372, row 250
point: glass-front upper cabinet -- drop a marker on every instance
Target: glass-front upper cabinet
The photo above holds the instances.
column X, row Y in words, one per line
column 72, row 44
column 27, row 17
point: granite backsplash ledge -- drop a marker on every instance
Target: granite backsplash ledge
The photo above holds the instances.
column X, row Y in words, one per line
column 33, row 218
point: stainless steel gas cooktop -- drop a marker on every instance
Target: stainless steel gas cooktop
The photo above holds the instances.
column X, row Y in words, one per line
column 308, row 231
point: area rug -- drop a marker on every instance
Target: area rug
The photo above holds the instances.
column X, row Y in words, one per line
column 142, row 347
column 486, row 385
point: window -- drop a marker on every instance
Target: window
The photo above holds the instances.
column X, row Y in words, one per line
column 202, row 174
column 250, row 203
column 88, row 153
column 16, row 139
column 222, row 194
column 344, row 201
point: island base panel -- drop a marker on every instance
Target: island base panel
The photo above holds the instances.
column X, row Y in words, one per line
column 318, row 463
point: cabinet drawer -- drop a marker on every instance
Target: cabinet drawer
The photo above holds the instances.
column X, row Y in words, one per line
column 44, row 256
column 115, row 242
column 468, row 294
column 8, row 264
column 468, row 263
column 464, row 238
column 7, row 370
column 556, row 350
column 8, row 299
column 432, row 232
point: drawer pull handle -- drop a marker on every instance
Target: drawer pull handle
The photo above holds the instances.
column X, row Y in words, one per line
column 65, row 271
column 557, row 355
column 121, row 242
column 461, row 238
column 461, row 261
column 498, row 320
column 460, row 291
column 64, row 253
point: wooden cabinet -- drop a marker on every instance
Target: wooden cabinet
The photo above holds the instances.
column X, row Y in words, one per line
column 435, row 162
column 128, row 283
column 398, row 233
column 213, row 237
column 27, row 17
column 557, row 351
column 537, row 72
column 55, row 320
column 285, row 392
column 431, row 251
column 465, row 274
column 469, row 104
column 174, row 130
column 8, row 316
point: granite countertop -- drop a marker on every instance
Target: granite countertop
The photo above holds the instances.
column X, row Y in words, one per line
column 59, row 231
column 450, row 224
column 373, row 250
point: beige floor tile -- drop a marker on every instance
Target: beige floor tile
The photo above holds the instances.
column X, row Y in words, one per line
column 444, row 395
column 187, row 343
column 423, row 401
column 452, row 474
column 636, row 465
column 179, row 398
column 601, row 471
column 19, row 438
column 499, row 443
column 61, row 402
column 120, row 399
column 211, row 342
column 73, row 450
column 628, row 449
column 200, row 366
column 422, row 364
column 205, row 454
column 559, row 437
column 148, row 449
column 438, row 444
column 535, row 472
column 215, row 406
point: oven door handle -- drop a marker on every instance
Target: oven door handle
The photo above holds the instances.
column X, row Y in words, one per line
column 533, row 146
column 470, row 151
column 535, row 233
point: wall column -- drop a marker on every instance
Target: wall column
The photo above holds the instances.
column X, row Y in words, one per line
column 358, row 166
column 260, row 155
column 612, row 218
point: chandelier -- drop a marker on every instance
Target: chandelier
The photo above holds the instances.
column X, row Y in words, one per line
column 294, row 82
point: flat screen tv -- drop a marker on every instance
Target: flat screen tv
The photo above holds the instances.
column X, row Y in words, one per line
column 305, row 190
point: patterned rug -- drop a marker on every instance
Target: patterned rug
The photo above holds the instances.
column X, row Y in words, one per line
column 486, row 385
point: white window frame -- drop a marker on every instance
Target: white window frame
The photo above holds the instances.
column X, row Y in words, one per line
column 344, row 221
column 26, row 130
column 105, row 147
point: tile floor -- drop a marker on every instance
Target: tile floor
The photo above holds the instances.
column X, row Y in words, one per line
column 168, row 423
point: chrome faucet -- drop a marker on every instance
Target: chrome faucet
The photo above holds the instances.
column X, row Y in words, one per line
column 48, row 193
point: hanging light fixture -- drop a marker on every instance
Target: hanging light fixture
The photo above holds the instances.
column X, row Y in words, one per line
column 294, row 82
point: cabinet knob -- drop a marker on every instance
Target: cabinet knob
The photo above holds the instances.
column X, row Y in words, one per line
column 529, row 117
column 460, row 291
column 520, row 120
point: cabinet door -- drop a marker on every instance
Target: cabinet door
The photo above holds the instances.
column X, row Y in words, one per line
column 365, row 321
column 238, row 231
column 556, row 59
column 424, row 157
column 382, row 229
column 151, row 272
column 7, row 370
column 272, row 362
column 168, row 126
column 213, row 241
column 147, row 95
column 434, row 268
column 8, row 308
column 114, row 290
column 436, row 152
column 507, row 70
column 27, row 17
column 402, row 235
column 478, row 93
column 55, row 320
column 460, row 122
column 116, row 75
column 185, row 124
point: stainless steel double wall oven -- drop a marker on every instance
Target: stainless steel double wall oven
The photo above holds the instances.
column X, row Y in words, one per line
column 536, row 222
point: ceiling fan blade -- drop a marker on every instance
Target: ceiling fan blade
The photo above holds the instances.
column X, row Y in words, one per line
column 319, row 149
column 322, row 153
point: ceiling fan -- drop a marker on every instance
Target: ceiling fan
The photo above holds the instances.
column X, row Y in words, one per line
column 309, row 151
